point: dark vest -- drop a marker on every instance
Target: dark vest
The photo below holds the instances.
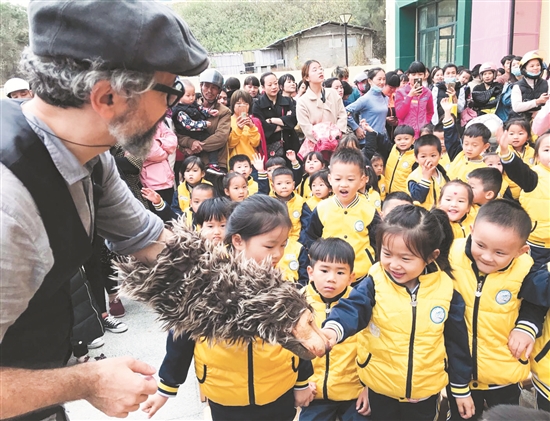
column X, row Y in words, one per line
column 528, row 94
column 41, row 336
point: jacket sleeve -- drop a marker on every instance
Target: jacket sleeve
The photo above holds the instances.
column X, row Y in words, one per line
column 352, row 314
column 257, row 111
column 303, row 261
column 165, row 212
column 457, row 346
column 373, row 226
column 517, row 101
column 452, row 140
column 305, row 371
column 541, row 122
column 402, row 104
column 304, row 221
column 374, row 142
column 263, row 183
column 314, row 229
column 520, row 173
column 430, row 110
column 247, row 135
column 157, row 152
column 536, row 286
column 175, row 206
column 297, row 173
column 176, row 363
column 289, row 119
column 419, row 191
column 341, row 114
column 531, row 318
column 219, row 139
column 302, row 113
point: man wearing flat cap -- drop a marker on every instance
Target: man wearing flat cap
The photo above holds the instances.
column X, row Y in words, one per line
column 103, row 72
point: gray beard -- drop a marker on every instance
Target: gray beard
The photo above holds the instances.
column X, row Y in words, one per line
column 138, row 144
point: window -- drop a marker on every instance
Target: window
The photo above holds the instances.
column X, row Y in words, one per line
column 436, row 32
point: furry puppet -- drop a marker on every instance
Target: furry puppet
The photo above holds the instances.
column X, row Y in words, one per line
column 211, row 294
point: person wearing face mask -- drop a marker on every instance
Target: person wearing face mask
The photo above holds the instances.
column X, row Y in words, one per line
column 531, row 92
column 448, row 88
column 372, row 107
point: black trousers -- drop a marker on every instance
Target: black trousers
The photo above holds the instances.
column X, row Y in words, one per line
column 505, row 395
column 384, row 408
column 280, row 410
column 542, row 402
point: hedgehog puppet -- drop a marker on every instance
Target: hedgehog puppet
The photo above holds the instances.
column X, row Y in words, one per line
column 200, row 289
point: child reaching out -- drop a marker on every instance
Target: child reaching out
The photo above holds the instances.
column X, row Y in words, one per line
column 254, row 382
column 408, row 304
column 456, row 200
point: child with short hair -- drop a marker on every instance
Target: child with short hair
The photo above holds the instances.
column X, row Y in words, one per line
column 492, row 160
column 456, row 200
column 235, row 187
column 393, row 200
column 357, row 218
column 400, row 159
column 339, row 390
column 243, row 165
column 377, row 164
column 467, row 156
column 425, row 182
column 211, row 218
column 486, row 184
column 408, row 304
column 492, row 263
column 192, row 172
column 320, row 188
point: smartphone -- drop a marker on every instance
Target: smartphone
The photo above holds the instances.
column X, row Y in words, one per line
column 243, row 114
column 418, row 83
column 450, row 85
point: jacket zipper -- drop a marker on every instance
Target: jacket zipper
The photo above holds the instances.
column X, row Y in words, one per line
column 394, row 170
column 251, row 394
column 474, row 325
column 408, row 391
column 327, row 360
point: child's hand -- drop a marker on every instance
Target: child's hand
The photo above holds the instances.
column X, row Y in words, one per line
column 208, row 123
column 153, row 404
column 360, row 133
column 365, row 126
column 503, row 143
column 291, row 155
column 519, row 343
column 303, row 397
column 213, row 113
column 428, row 170
column 258, row 162
column 362, row 405
column 447, row 106
column 466, row 407
column 331, row 337
column 151, row 195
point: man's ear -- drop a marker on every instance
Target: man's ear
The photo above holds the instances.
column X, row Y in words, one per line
column 104, row 100
column 237, row 242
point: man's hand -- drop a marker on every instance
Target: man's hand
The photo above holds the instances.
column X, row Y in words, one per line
column 118, row 385
column 466, row 407
column 519, row 343
column 302, row 398
column 258, row 162
column 153, row 404
column 213, row 112
column 196, row 147
column 362, row 405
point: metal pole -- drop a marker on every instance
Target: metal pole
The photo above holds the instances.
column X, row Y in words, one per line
column 346, row 40
column 511, row 36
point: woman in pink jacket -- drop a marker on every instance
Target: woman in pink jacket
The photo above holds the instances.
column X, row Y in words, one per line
column 413, row 102
column 157, row 174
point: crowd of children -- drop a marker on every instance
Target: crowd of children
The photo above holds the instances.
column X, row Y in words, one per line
column 424, row 257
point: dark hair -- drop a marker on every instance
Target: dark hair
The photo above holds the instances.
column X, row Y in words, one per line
column 478, row 130
column 305, row 70
column 490, row 177
column 230, row 176
column 417, row 67
column 427, row 128
column 284, row 78
column 317, row 155
column 438, row 128
column 331, row 250
column 524, row 124
column 238, row 95
column 341, row 72
column 349, row 141
column 372, row 179
column 469, row 72
column 323, row 174
column 506, row 214
column 215, row 209
column 282, row 171
column 539, row 141
column 434, row 70
column 275, row 160
column 427, row 140
column 235, row 159
column 328, row 82
column 348, row 156
column 403, row 129
column 423, row 232
column 266, row 74
column 397, row 195
column 404, row 77
column 348, row 90
column 204, row 187
column 458, row 182
column 232, row 84
column 251, row 80
column 376, row 156
column 392, row 79
column 514, row 413
column 475, row 70
column 501, row 71
column 256, row 215
column 373, row 72
column 448, row 66
column 504, row 59
column 190, row 162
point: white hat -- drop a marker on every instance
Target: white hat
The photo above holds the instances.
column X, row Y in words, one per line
column 15, row 84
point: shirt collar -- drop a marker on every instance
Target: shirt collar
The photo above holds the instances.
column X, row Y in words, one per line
column 351, row 205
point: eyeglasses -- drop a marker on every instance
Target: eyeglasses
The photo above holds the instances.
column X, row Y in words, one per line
column 174, row 93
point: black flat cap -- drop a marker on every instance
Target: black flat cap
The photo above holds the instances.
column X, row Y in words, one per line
column 137, row 35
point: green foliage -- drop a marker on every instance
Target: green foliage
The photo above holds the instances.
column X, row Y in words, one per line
column 239, row 25
column 14, row 36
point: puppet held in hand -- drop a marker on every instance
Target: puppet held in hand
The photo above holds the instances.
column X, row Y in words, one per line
column 202, row 290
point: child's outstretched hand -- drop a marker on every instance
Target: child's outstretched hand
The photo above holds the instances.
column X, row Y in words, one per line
column 291, row 155
column 503, row 143
column 362, row 406
column 303, row 397
column 447, row 106
column 151, row 195
column 213, row 113
column 365, row 126
column 519, row 343
column 466, row 407
column 258, row 162
column 153, row 404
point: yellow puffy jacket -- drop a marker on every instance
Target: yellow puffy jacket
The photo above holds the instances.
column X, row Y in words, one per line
column 335, row 374
column 540, row 360
column 382, row 186
column 462, row 228
column 398, row 168
column 433, row 186
column 295, row 208
column 461, row 167
column 492, row 307
column 290, row 262
column 312, row 202
column 406, row 328
column 184, row 194
column 373, row 197
column 240, row 375
column 537, row 205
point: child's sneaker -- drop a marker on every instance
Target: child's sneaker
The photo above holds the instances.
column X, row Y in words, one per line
column 116, row 309
column 113, row 325
column 214, row 169
column 96, row 343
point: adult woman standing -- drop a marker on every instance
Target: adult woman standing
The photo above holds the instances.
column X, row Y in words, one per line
column 373, row 106
column 278, row 116
column 531, row 92
column 318, row 104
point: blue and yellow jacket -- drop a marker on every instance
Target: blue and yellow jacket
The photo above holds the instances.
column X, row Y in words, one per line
column 460, row 166
column 373, row 197
column 184, row 195
column 492, row 309
column 382, row 186
column 236, row 375
column 335, row 374
column 355, row 224
column 426, row 192
column 299, row 214
column 312, row 203
column 398, row 168
column 528, row 157
column 424, row 329
column 294, row 263
column 463, row 227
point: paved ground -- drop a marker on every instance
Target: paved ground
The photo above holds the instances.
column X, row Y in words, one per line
column 145, row 341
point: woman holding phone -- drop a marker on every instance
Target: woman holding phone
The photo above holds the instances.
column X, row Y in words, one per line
column 247, row 135
column 414, row 102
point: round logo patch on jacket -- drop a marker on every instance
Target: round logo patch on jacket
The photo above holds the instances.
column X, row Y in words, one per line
column 405, row 164
column 295, row 214
column 293, row 265
column 359, row 226
column 437, row 315
column 503, row 296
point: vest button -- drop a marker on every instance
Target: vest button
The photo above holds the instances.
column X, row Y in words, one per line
column 474, row 384
column 345, row 236
column 345, row 212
